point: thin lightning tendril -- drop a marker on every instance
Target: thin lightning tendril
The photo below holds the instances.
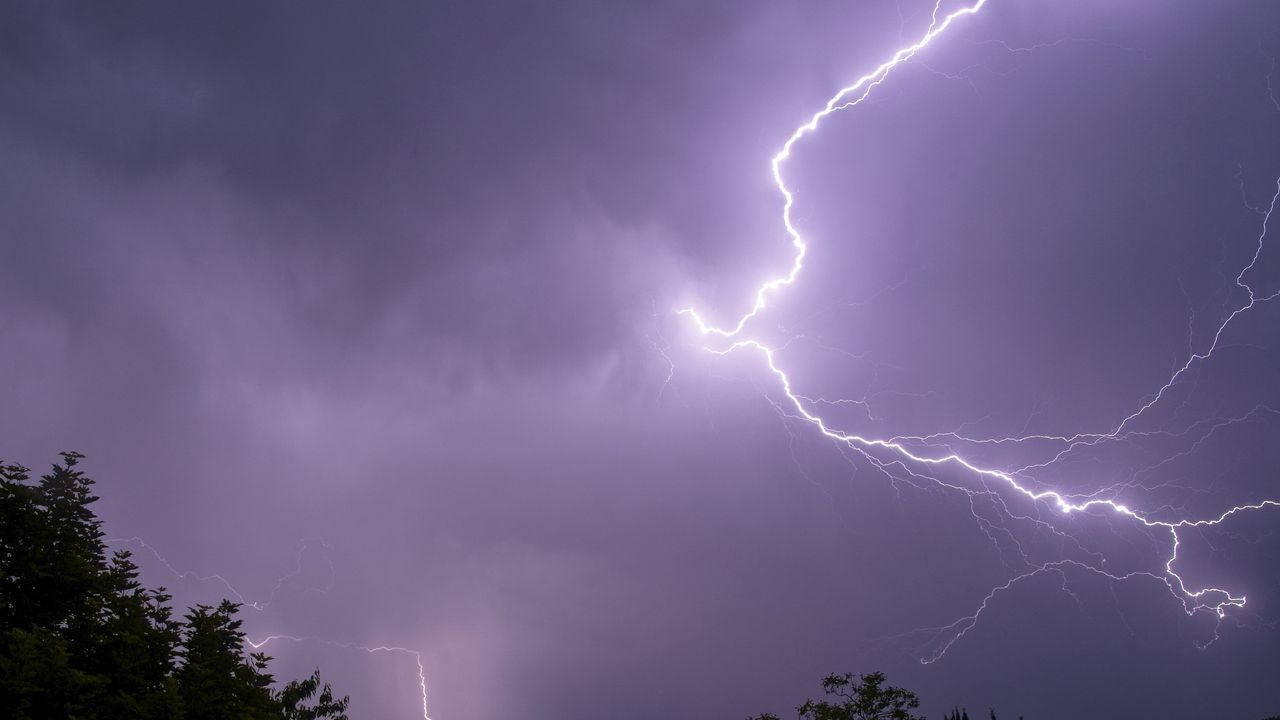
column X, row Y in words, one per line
column 281, row 582
column 417, row 656
column 259, row 605
column 894, row 452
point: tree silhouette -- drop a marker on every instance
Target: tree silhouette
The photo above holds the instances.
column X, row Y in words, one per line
column 298, row 692
column 959, row 713
column 867, row 699
column 81, row 638
column 216, row 680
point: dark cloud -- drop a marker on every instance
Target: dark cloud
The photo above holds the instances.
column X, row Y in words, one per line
column 403, row 277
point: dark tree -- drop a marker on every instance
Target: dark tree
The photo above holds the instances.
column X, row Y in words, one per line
column 136, row 644
column 81, row 638
column 298, row 692
column 962, row 714
column 867, row 699
column 216, row 680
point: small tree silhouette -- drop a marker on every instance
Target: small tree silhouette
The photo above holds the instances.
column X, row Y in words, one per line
column 80, row 637
column 867, row 699
column 959, row 713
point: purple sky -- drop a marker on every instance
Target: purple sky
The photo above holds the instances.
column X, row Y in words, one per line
column 405, row 278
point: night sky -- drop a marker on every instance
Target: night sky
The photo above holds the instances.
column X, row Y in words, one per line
column 372, row 311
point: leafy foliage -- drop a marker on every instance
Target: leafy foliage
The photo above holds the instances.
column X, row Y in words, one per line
column 867, row 699
column 300, row 691
column 81, row 638
column 962, row 714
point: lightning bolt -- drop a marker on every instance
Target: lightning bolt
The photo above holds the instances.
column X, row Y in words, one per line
column 912, row 455
column 847, row 97
column 303, row 546
column 417, row 655
column 260, row 605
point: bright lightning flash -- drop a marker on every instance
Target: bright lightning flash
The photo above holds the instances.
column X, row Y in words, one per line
column 1208, row 599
